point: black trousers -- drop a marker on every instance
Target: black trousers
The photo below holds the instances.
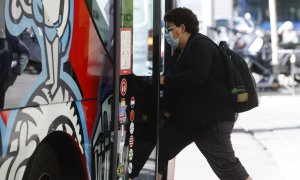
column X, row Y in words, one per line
column 213, row 141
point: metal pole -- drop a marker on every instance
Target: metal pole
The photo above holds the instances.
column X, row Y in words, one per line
column 117, row 19
column 274, row 35
column 208, row 14
column 212, row 13
column 156, row 66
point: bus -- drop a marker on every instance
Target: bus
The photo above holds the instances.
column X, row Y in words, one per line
column 86, row 104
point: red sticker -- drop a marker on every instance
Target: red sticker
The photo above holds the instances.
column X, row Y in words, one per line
column 132, row 115
column 131, row 141
column 123, row 87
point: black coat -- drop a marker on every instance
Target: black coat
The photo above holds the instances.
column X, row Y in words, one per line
column 10, row 45
column 195, row 84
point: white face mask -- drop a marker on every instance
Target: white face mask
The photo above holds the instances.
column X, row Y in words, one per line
column 170, row 39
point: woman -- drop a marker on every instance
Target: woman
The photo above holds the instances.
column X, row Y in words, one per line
column 197, row 98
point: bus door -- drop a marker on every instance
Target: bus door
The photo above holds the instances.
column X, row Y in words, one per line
column 140, row 51
column 138, row 57
column 133, row 37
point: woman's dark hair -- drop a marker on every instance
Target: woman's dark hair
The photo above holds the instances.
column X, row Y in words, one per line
column 183, row 16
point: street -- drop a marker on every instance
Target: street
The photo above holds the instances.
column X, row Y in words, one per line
column 266, row 140
column 18, row 90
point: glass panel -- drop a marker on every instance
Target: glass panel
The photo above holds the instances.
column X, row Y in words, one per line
column 18, row 70
column 102, row 12
column 24, row 69
column 142, row 37
column 36, row 53
column 20, row 64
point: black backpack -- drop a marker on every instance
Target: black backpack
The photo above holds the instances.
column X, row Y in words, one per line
column 240, row 80
column 241, row 83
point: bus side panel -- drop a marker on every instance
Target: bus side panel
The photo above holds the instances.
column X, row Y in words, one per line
column 74, row 67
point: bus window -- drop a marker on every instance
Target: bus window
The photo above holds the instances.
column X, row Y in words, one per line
column 142, row 37
column 24, row 74
column 20, row 64
column 103, row 17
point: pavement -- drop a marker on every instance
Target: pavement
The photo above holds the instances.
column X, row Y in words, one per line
column 266, row 140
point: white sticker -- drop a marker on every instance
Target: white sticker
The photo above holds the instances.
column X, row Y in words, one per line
column 131, row 128
column 130, row 168
column 126, row 49
column 132, row 102
column 130, row 154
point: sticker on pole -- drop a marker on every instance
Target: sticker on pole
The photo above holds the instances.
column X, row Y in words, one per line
column 130, row 168
column 131, row 141
column 132, row 102
column 131, row 128
column 123, row 104
column 126, row 49
column 130, row 155
column 132, row 115
column 122, row 117
column 123, row 87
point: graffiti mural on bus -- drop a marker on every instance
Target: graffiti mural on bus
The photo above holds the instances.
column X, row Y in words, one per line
column 25, row 128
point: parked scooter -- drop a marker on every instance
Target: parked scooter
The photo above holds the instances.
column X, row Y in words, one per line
column 255, row 47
